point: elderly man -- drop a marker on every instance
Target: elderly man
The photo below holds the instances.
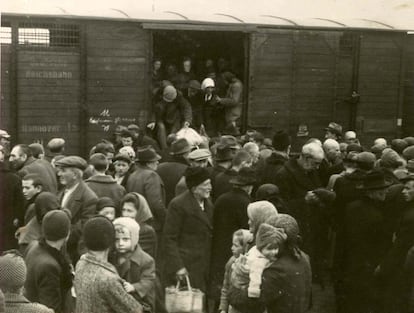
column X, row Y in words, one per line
column 332, row 164
column 77, row 197
column 24, row 163
column 148, row 183
column 351, row 137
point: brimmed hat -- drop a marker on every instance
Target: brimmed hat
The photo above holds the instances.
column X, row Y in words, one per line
column 390, row 158
column 199, row 155
column 334, row 128
column 133, row 127
column 354, row 147
column 245, row 177
column 194, row 176
column 231, row 141
column 147, row 154
column 180, row 146
column 374, row 180
column 72, row 161
column 4, row 134
column 223, row 153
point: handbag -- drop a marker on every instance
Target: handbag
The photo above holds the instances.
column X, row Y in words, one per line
column 180, row 300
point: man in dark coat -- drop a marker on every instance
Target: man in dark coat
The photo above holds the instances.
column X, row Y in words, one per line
column 11, row 205
column 267, row 171
column 188, row 230
column 101, row 184
column 78, row 198
column 222, row 161
column 230, row 214
column 367, row 239
column 171, row 172
column 390, row 272
column 49, row 273
column 24, row 163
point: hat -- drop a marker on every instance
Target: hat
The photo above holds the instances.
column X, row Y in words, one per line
column 56, row 225
column 194, row 176
column 207, row 82
column 288, row 224
column 104, row 202
column 72, row 161
column 98, row 233
column 390, row 158
column 169, row 94
column 128, row 224
column 281, row 140
column 98, row 160
column 269, row 235
column 199, row 155
column 104, row 147
column 334, row 128
column 223, row 153
column 194, row 84
column 408, row 177
column 377, row 149
column 399, row 145
column 129, row 151
column 180, row 146
column 133, row 127
column 245, row 177
column 125, row 133
column 230, row 141
column 401, row 173
column 37, row 149
column 408, row 153
column 374, row 180
column 56, row 143
column 410, row 165
column 351, row 156
column 4, row 134
column 259, row 211
column 409, row 141
column 12, row 271
column 147, row 154
column 122, row 157
column 354, row 147
column 119, row 129
column 366, row 158
column 267, row 191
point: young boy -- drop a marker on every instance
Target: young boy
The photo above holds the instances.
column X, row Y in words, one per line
column 106, row 207
column 135, row 266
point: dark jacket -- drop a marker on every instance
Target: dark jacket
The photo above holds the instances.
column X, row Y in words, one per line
column 82, row 205
column 15, row 303
column 49, row 276
column 287, row 285
column 43, row 169
column 268, row 170
column 178, row 111
column 187, row 239
column 106, row 186
column 149, row 184
column 11, row 207
column 230, row 214
column 222, row 182
column 294, row 183
column 139, row 270
column 170, row 173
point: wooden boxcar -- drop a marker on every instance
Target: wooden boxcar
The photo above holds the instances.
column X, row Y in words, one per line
column 77, row 77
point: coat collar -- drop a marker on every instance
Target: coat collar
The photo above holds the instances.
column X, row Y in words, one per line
column 101, row 179
column 14, row 298
column 206, row 215
column 89, row 258
column 306, row 179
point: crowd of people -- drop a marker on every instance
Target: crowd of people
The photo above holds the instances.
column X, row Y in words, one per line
column 252, row 225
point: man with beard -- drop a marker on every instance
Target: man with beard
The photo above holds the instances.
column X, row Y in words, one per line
column 22, row 160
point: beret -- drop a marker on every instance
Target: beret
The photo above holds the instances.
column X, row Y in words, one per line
column 72, row 161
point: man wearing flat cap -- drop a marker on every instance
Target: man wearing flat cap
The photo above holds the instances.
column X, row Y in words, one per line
column 148, row 183
column 77, row 197
column 367, row 238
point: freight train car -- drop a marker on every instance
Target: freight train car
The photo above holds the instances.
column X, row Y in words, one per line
column 78, row 75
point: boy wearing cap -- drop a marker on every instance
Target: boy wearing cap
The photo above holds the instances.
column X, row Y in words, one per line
column 97, row 283
column 49, row 272
column 12, row 278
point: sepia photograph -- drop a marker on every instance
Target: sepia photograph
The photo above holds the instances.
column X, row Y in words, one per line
column 207, row 156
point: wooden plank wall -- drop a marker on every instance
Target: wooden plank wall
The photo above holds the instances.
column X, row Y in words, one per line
column 48, row 96
column 5, row 117
column 117, row 77
column 379, row 85
column 408, row 110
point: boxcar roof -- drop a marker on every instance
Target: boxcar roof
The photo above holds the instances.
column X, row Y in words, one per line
column 394, row 15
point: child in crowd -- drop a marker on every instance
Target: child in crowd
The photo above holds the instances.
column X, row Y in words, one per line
column 106, row 207
column 135, row 206
column 241, row 239
column 135, row 266
column 247, row 270
column 123, row 168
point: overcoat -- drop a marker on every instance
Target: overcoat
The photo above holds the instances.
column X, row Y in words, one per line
column 106, row 186
column 187, row 239
column 170, row 173
column 43, row 169
column 268, row 169
column 16, row 303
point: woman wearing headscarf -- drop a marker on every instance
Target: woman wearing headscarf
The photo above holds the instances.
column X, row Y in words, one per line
column 258, row 212
column 287, row 282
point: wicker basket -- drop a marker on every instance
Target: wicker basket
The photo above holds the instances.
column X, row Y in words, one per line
column 188, row 300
